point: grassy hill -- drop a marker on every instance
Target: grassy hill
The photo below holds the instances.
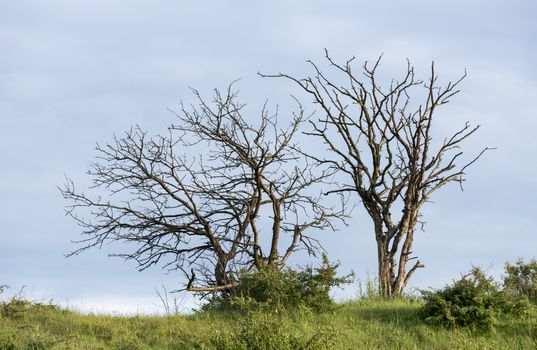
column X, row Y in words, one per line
column 353, row 325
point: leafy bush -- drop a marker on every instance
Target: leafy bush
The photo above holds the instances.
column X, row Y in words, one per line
column 520, row 279
column 261, row 330
column 474, row 301
column 283, row 289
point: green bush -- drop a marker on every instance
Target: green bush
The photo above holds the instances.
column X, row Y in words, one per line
column 520, row 279
column 285, row 289
column 261, row 330
column 474, row 301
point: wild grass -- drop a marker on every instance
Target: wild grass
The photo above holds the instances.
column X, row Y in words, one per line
column 363, row 324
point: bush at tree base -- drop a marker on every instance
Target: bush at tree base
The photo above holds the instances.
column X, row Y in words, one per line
column 259, row 330
column 283, row 289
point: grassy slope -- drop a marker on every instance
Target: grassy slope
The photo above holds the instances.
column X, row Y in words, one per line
column 355, row 325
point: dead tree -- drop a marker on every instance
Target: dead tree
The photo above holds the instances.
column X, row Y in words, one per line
column 200, row 199
column 379, row 141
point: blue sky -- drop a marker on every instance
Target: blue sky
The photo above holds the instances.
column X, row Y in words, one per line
column 72, row 73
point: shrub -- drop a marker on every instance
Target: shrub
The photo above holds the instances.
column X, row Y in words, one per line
column 474, row 301
column 261, row 330
column 520, row 279
column 283, row 289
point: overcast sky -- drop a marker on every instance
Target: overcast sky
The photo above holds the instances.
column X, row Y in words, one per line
column 72, row 73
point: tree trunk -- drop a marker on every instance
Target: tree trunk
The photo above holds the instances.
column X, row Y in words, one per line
column 276, row 227
column 220, row 273
column 393, row 275
column 384, row 273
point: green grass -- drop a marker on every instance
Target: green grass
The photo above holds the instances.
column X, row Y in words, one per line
column 353, row 325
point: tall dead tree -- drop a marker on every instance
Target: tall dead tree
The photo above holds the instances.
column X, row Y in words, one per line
column 217, row 194
column 380, row 143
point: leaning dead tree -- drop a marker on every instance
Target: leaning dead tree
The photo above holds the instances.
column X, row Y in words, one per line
column 380, row 141
column 216, row 195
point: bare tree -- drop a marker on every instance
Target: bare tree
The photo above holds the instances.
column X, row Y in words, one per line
column 200, row 199
column 380, row 142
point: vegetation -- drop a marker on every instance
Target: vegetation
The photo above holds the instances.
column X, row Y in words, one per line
column 279, row 290
column 521, row 279
column 474, row 301
column 205, row 213
column 288, row 309
column 375, row 324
